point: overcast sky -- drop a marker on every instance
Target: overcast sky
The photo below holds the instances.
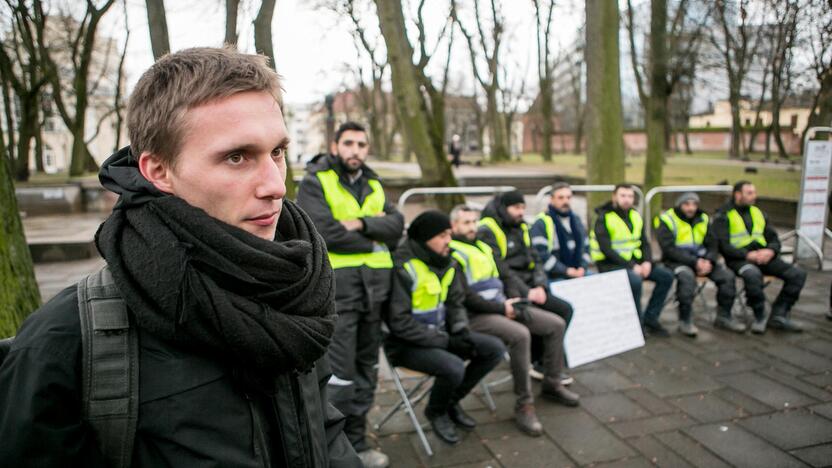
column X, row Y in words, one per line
column 313, row 44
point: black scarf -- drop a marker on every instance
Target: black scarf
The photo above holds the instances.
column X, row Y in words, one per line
column 203, row 284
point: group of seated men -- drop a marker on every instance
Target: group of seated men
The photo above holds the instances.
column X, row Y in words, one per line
column 460, row 291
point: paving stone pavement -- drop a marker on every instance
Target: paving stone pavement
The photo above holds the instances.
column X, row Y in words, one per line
column 714, row 401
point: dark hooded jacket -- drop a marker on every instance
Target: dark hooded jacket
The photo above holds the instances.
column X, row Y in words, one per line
column 519, row 258
column 195, row 407
column 722, row 232
column 354, row 287
column 404, row 329
column 614, row 261
column 674, row 256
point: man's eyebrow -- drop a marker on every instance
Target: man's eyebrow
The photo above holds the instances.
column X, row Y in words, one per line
column 284, row 142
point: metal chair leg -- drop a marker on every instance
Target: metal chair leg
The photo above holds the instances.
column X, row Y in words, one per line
column 408, row 407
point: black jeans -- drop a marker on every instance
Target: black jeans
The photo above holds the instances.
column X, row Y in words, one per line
column 454, row 379
column 793, row 278
column 686, row 289
column 558, row 307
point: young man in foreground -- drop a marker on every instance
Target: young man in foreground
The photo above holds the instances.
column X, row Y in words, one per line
column 221, row 289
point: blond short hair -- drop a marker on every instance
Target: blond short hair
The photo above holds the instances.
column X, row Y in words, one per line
column 186, row 79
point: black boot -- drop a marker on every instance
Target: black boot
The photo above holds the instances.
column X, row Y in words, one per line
column 443, row 427
column 459, row 416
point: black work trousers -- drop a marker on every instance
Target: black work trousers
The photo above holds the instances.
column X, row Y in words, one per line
column 793, row 278
column 454, row 379
column 686, row 289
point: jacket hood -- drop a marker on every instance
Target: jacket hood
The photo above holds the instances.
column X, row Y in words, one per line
column 604, row 209
column 326, row 161
column 495, row 209
column 120, row 174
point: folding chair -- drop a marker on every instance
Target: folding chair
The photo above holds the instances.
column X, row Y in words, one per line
column 408, row 401
column 486, row 387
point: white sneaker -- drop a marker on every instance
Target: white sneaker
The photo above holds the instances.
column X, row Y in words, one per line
column 535, row 374
column 371, row 458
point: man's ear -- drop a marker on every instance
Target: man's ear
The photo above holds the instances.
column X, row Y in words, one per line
column 333, row 148
column 156, row 172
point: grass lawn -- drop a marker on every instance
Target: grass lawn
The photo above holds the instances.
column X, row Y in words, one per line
column 682, row 170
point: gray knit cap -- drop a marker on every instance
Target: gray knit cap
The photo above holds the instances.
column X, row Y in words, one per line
column 687, row 196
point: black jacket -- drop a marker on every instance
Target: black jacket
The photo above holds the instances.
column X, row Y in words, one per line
column 722, row 233
column 674, row 256
column 404, row 329
column 613, row 260
column 518, row 256
column 354, row 287
column 513, row 287
column 192, row 411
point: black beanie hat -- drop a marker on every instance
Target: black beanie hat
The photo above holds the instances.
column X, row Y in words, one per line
column 427, row 225
column 512, row 198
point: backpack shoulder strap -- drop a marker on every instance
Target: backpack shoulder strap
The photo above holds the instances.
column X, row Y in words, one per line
column 110, row 367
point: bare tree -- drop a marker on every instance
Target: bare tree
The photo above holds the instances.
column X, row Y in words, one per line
column 20, row 69
column 81, row 42
column 783, row 37
column 735, row 39
column 232, row 8
column 819, row 30
column 418, row 101
column 157, row 24
column 19, row 295
column 604, row 117
column 543, row 10
column 674, row 42
column 486, row 43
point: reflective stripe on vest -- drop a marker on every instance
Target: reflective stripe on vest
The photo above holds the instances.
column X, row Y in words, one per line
column 500, row 235
column 480, row 269
column 428, row 293
column 344, row 206
column 625, row 242
column 687, row 236
column 549, row 224
column 740, row 237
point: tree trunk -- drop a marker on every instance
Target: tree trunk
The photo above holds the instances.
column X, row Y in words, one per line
column 263, row 45
column 27, row 126
column 604, row 126
column 8, row 110
column 157, row 23
column 19, row 295
column 823, row 116
column 579, row 136
column 414, row 115
column 736, row 151
column 656, row 112
column 231, row 9
column 496, row 129
column 546, row 116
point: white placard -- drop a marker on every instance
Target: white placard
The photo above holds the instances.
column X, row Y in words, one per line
column 813, row 195
column 605, row 320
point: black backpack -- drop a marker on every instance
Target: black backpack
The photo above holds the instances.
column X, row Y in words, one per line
column 110, row 367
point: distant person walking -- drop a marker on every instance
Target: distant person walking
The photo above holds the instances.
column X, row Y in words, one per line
column 455, row 150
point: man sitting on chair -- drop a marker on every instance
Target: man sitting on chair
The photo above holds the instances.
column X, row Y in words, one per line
column 751, row 248
column 689, row 248
column 429, row 326
column 560, row 238
column 493, row 297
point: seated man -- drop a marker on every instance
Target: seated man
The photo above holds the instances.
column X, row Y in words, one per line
column 560, row 238
column 689, row 248
column 493, row 300
column 751, row 248
column 618, row 241
column 429, row 327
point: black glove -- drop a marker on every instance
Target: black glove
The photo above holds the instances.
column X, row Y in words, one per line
column 462, row 345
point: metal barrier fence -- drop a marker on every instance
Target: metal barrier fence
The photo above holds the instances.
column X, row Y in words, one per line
column 452, row 191
column 648, row 219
